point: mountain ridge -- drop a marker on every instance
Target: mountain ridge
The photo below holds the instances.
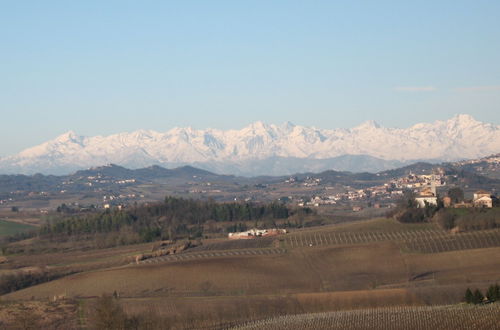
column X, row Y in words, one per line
column 111, row 177
column 265, row 149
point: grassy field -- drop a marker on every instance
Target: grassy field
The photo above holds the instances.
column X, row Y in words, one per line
column 8, row 228
column 330, row 268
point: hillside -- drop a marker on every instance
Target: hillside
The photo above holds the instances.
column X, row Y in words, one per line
column 374, row 264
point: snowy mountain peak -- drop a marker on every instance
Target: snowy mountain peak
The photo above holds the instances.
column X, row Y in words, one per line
column 69, row 136
column 143, row 133
column 286, row 145
column 369, row 124
column 463, row 121
column 288, row 126
column 259, row 126
column 464, row 118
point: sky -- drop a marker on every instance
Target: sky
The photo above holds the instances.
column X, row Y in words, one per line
column 103, row 67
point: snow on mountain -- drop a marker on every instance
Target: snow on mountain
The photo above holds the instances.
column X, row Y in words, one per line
column 460, row 137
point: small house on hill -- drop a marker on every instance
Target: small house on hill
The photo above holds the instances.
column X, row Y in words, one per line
column 481, row 193
column 426, row 196
column 482, row 198
column 255, row 233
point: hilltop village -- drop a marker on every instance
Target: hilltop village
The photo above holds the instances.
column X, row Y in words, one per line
column 380, row 195
column 426, row 189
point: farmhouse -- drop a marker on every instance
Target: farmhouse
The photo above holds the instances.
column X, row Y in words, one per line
column 427, row 195
column 254, row 233
column 481, row 193
column 482, row 199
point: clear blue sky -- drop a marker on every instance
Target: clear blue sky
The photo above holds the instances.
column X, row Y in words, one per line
column 102, row 67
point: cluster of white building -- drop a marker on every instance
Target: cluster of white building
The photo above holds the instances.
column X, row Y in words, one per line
column 494, row 159
column 412, row 181
column 428, row 196
column 307, row 182
column 255, row 233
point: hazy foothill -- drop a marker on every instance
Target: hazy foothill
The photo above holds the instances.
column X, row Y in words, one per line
column 249, row 165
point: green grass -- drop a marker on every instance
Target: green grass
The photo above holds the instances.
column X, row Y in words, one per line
column 459, row 211
column 11, row 228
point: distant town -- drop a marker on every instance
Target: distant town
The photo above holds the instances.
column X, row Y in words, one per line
column 114, row 186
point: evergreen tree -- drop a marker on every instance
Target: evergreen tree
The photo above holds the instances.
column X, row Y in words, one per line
column 469, row 297
column 493, row 293
column 478, row 297
column 456, row 195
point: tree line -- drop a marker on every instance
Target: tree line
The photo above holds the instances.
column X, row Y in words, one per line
column 469, row 219
column 477, row 297
column 171, row 219
column 19, row 280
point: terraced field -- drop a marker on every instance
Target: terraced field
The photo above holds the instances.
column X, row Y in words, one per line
column 431, row 317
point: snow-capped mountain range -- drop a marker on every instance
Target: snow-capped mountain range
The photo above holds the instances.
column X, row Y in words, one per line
column 265, row 149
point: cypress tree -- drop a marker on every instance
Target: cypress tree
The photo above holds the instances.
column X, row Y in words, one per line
column 493, row 293
column 478, row 297
column 469, row 297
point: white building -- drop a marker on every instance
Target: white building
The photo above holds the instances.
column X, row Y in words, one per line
column 482, row 199
column 427, row 196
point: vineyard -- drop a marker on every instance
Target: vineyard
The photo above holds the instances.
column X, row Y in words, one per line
column 429, row 317
column 258, row 243
column 213, row 254
column 420, row 241
column 444, row 243
column 347, row 238
column 424, row 240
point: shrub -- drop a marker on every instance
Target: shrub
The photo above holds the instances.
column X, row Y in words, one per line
column 411, row 215
column 445, row 219
column 108, row 314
